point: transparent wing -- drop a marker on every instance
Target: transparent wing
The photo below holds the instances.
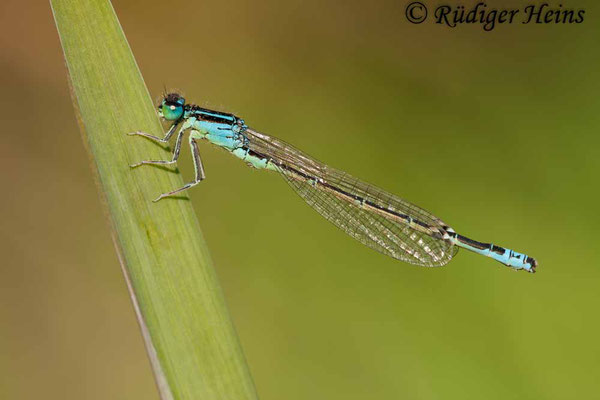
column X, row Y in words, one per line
column 372, row 216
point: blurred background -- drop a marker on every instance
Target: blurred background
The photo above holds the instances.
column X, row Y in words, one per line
column 494, row 132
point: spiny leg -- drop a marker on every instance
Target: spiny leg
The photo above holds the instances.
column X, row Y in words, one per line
column 198, row 168
column 165, row 162
column 156, row 138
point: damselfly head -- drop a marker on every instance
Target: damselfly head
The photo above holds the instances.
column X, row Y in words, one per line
column 171, row 107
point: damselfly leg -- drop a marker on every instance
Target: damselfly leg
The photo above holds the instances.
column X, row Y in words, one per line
column 176, row 150
column 156, row 138
column 198, row 168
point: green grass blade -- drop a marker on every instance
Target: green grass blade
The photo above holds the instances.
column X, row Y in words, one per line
column 190, row 338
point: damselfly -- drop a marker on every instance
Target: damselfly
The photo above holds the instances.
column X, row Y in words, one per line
column 372, row 216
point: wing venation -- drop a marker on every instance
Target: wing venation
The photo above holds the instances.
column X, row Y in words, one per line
column 370, row 215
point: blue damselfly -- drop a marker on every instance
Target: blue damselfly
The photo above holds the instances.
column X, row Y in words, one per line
column 372, row 216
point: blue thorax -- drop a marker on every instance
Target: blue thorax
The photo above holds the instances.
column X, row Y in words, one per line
column 219, row 128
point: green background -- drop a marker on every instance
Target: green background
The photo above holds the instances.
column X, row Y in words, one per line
column 494, row 132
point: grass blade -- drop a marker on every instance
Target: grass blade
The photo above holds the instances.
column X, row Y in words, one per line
column 190, row 338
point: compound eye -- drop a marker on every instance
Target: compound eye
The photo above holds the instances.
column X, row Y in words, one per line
column 172, row 106
column 172, row 111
